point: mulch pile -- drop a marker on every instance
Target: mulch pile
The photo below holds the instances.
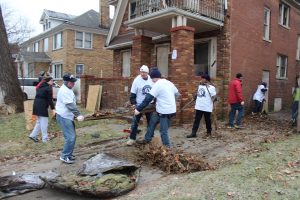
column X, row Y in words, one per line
column 172, row 161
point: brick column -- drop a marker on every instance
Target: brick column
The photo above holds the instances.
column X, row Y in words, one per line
column 141, row 53
column 181, row 69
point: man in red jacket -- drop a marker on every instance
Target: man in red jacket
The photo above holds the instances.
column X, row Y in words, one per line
column 236, row 101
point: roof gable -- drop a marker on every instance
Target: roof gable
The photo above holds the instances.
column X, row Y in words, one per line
column 56, row 15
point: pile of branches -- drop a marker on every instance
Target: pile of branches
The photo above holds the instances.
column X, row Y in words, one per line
column 172, row 160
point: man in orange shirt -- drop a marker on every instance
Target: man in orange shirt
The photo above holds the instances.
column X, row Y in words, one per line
column 236, row 101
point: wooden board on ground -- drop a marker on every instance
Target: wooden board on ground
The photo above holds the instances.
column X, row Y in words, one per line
column 93, row 98
column 29, row 118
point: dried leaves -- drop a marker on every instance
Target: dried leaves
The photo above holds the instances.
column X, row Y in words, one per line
column 172, row 160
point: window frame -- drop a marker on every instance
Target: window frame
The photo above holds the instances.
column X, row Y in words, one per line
column 76, row 74
column 56, row 44
column 132, row 16
column 46, row 44
column 57, row 75
column 282, row 13
column 35, row 47
column 126, row 72
column 267, row 24
column 83, row 40
column 280, row 67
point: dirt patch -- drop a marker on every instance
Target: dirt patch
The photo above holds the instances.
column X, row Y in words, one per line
column 221, row 149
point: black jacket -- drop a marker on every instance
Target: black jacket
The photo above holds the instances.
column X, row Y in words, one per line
column 43, row 99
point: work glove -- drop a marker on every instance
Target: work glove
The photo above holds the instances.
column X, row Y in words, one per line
column 242, row 103
column 136, row 112
column 80, row 118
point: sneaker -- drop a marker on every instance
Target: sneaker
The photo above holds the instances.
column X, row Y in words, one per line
column 130, row 142
column 66, row 160
column 191, row 135
column 238, row 127
column 33, row 139
column 230, row 127
column 72, row 157
column 45, row 140
column 142, row 142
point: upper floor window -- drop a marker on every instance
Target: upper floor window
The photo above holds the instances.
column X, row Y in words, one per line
column 35, row 47
column 267, row 23
column 284, row 14
column 46, row 44
column 126, row 63
column 57, row 70
column 57, row 41
column 282, row 62
column 83, row 40
column 298, row 48
column 79, row 70
column 132, row 9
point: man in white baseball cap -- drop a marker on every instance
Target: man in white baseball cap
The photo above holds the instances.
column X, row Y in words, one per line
column 141, row 86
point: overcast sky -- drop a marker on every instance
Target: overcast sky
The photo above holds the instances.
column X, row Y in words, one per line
column 32, row 9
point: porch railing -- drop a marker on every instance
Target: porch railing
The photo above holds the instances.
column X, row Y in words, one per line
column 210, row 8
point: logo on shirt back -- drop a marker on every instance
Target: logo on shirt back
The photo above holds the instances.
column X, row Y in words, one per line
column 146, row 89
column 201, row 93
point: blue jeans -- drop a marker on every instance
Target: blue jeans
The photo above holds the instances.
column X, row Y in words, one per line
column 236, row 107
column 165, row 122
column 135, row 123
column 68, row 129
column 258, row 106
column 295, row 110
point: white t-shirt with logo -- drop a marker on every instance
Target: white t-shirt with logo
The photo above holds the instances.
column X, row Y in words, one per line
column 65, row 96
column 164, row 91
column 259, row 95
column 204, row 101
column 141, row 87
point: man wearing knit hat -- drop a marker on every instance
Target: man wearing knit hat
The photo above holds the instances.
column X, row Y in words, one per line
column 165, row 93
column 141, row 86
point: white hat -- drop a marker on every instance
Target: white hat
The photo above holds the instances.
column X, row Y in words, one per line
column 144, row 68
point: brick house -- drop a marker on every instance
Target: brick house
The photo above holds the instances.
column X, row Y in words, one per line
column 69, row 43
column 186, row 38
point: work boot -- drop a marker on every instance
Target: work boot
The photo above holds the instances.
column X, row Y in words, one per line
column 192, row 135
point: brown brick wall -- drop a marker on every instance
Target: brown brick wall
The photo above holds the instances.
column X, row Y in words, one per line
column 115, row 91
column 97, row 61
column 251, row 54
column 141, row 53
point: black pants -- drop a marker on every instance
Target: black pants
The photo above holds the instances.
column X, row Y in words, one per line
column 197, row 120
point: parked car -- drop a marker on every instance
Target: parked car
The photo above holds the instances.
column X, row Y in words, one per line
column 28, row 86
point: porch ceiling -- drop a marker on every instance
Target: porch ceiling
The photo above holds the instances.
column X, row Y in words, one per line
column 161, row 21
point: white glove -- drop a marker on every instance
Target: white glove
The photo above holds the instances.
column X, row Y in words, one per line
column 242, row 103
column 80, row 118
column 136, row 112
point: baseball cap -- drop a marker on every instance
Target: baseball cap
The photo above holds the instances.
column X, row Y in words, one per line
column 69, row 77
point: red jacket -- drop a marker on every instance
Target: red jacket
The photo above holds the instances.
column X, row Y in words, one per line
column 235, row 92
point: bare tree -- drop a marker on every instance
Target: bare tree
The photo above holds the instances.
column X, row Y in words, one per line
column 10, row 90
column 17, row 27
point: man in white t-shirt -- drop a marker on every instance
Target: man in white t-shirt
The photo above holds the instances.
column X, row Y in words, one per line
column 141, row 86
column 66, row 110
column 165, row 93
column 259, row 97
column 206, row 94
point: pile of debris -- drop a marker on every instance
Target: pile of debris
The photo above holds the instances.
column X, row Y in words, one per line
column 172, row 160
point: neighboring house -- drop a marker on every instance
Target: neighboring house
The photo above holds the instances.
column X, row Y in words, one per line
column 187, row 38
column 69, row 43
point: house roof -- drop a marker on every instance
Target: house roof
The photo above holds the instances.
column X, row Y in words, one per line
column 33, row 57
column 56, row 15
column 88, row 21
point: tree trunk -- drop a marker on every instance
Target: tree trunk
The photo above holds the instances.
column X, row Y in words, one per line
column 10, row 90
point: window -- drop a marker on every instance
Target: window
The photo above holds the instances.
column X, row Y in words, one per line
column 57, row 41
column 267, row 24
column 281, row 66
column 83, row 40
column 57, row 70
column 79, row 70
column 35, row 47
column 298, row 48
column 46, row 45
column 132, row 10
column 284, row 12
column 126, row 63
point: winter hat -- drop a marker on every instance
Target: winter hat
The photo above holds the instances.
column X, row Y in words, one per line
column 155, row 73
column 144, row 68
column 206, row 76
column 47, row 78
column 69, row 78
column 238, row 75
